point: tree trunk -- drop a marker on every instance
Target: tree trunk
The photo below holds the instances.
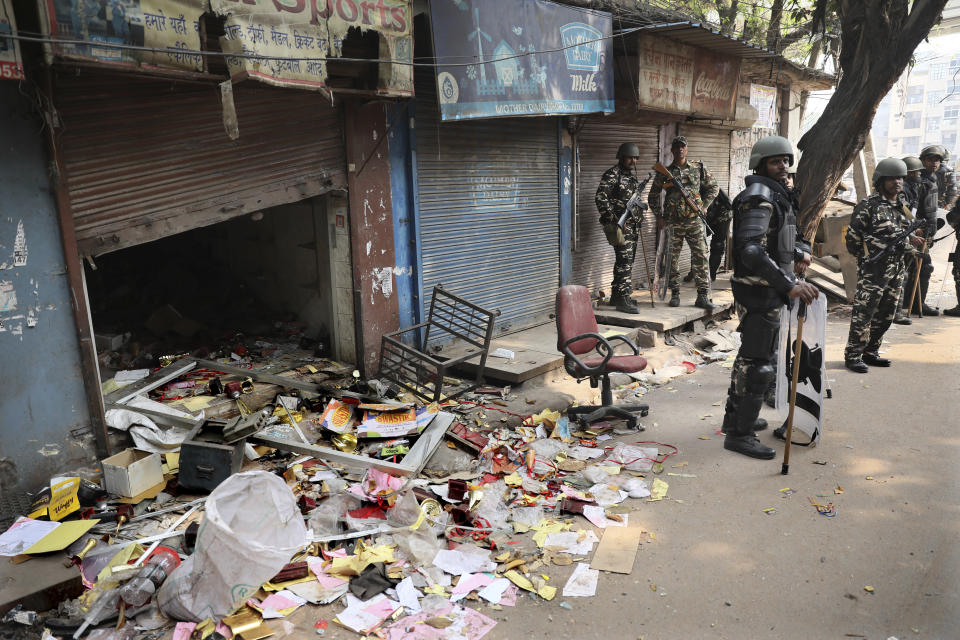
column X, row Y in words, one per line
column 878, row 40
column 728, row 16
column 773, row 29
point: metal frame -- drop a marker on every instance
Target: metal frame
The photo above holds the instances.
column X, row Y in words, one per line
column 414, row 369
column 413, row 462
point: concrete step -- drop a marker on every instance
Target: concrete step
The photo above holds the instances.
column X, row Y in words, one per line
column 662, row 317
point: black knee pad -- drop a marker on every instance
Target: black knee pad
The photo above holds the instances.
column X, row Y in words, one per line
column 759, row 378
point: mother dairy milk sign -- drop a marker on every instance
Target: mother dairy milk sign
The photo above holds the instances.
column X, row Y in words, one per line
column 521, row 57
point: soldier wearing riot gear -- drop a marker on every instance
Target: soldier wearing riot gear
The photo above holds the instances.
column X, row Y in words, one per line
column 767, row 252
column 879, row 236
column 616, row 187
column 936, row 169
column 921, row 195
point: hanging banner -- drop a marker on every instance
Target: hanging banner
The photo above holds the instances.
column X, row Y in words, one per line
column 812, row 378
column 521, row 57
column 678, row 78
column 281, row 42
column 11, row 64
column 285, row 41
column 764, row 100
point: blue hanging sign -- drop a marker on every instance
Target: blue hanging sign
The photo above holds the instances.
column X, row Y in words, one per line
column 521, row 57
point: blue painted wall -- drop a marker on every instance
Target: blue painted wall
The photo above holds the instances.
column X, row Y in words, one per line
column 41, row 389
column 403, row 195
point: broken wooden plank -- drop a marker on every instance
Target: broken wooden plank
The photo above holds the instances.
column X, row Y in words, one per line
column 271, row 378
column 412, row 463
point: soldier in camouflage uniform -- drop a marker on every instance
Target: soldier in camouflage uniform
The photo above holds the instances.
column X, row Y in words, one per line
column 616, row 187
column 684, row 222
column 935, row 169
column 767, row 254
column 877, row 226
column 921, row 195
column 953, row 219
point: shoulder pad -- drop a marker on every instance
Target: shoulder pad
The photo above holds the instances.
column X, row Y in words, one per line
column 755, row 192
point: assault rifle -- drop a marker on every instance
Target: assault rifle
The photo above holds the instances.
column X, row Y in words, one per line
column 915, row 224
column 634, row 203
column 687, row 197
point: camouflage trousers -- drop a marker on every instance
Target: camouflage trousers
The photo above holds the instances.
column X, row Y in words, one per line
column 623, row 266
column 909, row 275
column 874, row 305
column 956, row 272
column 691, row 230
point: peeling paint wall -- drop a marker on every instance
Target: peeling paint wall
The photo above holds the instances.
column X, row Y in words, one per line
column 371, row 230
column 44, row 421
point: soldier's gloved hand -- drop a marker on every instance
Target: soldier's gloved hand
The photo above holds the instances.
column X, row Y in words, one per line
column 916, row 241
column 800, row 266
column 805, row 291
column 614, row 235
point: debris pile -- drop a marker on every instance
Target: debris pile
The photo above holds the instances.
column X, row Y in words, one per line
column 332, row 501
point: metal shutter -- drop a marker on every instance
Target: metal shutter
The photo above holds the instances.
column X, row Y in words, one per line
column 146, row 157
column 712, row 147
column 488, row 211
column 597, row 144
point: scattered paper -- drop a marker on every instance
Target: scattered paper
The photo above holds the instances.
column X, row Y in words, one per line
column 458, row 563
column 494, row 592
column 582, row 582
column 408, row 595
column 465, row 624
column 365, row 616
column 23, row 534
column 500, row 352
column 468, row 583
column 659, row 490
column 598, row 517
column 577, row 543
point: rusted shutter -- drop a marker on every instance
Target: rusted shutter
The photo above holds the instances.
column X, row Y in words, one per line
column 146, row 157
column 712, row 147
column 593, row 257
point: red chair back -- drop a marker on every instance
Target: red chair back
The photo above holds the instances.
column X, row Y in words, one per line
column 575, row 317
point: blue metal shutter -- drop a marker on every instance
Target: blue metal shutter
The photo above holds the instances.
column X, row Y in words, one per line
column 489, row 212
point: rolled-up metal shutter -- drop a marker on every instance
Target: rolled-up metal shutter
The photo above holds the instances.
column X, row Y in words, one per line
column 597, row 144
column 712, row 147
column 488, row 196
column 147, row 157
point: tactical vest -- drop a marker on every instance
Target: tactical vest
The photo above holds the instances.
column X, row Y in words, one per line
column 781, row 237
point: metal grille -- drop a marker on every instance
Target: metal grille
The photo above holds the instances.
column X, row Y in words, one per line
column 593, row 257
column 147, row 157
column 489, row 211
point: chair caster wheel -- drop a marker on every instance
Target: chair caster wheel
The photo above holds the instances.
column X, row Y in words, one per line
column 584, row 425
column 645, row 412
column 632, row 423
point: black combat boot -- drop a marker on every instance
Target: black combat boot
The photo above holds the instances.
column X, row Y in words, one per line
column 873, row 359
column 674, row 298
column 703, row 301
column 955, row 312
column 856, row 365
column 689, row 276
column 624, row 303
column 743, row 439
column 730, row 417
column 901, row 318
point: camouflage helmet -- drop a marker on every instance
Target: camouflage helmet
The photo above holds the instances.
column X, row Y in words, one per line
column 913, row 163
column 628, row 150
column 770, row 146
column 933, row 150
column 889, row 168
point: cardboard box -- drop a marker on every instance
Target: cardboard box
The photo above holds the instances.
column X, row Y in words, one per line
column 131, row 472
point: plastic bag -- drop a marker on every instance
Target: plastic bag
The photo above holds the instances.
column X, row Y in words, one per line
column 251, row 529
column 421, row 546
column 405, row 511
column 325, row 519
column 634, row 458
column 596, row 475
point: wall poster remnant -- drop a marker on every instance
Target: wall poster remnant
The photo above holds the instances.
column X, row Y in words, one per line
column 679, row 78
column 280, row 42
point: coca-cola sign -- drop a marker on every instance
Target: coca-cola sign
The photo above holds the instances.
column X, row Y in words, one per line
column 679, row 78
